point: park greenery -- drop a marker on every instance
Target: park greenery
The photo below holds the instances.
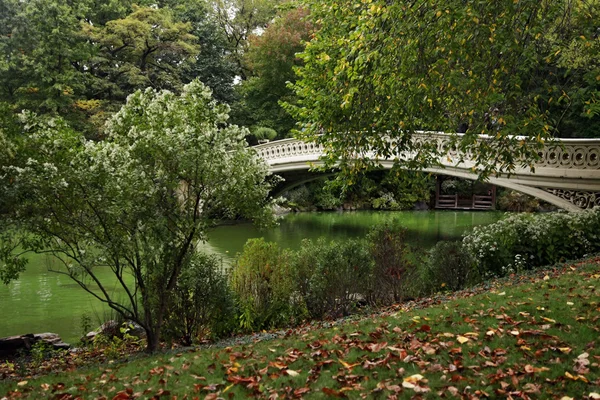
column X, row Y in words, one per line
column 124, row 132
column 383, row 70
column 527, row 336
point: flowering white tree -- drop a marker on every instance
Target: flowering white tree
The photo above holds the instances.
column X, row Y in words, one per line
column 136, row 203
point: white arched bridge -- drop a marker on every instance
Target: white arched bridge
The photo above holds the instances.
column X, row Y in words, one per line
column 567, row 174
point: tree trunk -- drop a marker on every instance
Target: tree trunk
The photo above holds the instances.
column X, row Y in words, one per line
column 153, row 340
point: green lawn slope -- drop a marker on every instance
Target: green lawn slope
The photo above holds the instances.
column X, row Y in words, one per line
column 534, row 335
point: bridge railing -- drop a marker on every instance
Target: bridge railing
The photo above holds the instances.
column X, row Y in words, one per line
column 579, row 154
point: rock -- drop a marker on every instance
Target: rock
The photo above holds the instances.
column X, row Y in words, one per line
column 61, row 346
column 10, row 346
column 47, row 337
column 279, row 210
column 89, row 337
column 112, row 328
column 421, row 206
column 14, row 345
column 358, row 299
column 136, row 330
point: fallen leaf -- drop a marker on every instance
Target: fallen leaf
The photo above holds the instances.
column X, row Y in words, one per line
column 414, row 378
column 333, row 392
column 292, row 373
column 376, row 347
column 462, row 339
column 347, row 365
column 565, row 350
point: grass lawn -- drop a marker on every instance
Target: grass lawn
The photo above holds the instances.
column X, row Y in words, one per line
column 530, row 336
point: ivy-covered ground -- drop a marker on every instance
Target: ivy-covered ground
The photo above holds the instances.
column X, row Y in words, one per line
column 534, row 335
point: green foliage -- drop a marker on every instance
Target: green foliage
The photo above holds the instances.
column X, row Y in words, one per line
column 85, row 323
column 333, row 277
column 213, row 65
column 144, row 49
column 238, row 19
column 395, row 263
column 449, row 266
column 403, row 189
column 382, row 190
column 523, row 241
column 327, row 196
column 271, row 57
column 511, row 200
column 138, row 202
column 81, row 59
column 42, row 351
column 202, row 305
column 115, row 345
column 377, row 71
column 461, row 187
column 262, row 281
column 300, row 198
column 264, row 133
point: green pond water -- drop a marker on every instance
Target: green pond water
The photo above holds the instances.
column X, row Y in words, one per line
column 44, row 301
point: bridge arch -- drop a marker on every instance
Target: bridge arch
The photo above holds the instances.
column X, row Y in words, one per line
column 567, row 174
column 535, row 192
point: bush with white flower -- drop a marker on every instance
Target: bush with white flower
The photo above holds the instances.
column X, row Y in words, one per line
column 137, row 203
column 524, row 241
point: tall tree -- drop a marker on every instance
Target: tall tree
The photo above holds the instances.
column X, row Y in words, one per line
column 239, row 19
column 213, row 64
column 144, row 49
column 136, row 203
column 80, row 59
column 376, row 71
column 271, row 58
column 44, row 54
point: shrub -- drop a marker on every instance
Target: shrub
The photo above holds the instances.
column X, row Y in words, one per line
column 333, row 277
column 327, row 195
column 394, row 262
column 202, row 303
column 299, row 198
column 263, row 133
column 386, row 202
column 262, row 281
column 449, row 266
column 524, row 241
column 514, row 201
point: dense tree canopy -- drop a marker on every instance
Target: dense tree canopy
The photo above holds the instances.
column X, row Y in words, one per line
column 80, row 59
column 271, row 58
column 239, row 19
column 144, row 49
column 378, row 70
